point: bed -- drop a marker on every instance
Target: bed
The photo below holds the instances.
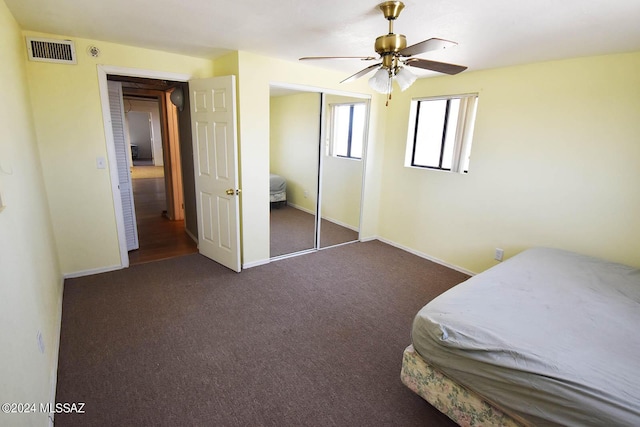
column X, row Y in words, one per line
column 548, row 337
column 277, row 190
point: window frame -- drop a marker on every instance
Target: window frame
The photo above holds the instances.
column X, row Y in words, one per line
column 463, row 137
column 332, row 134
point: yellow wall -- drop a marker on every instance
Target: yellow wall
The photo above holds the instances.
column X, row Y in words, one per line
column 69, row 127
column 255, row 74
column 555, row 162
column 294, row 139
column 70, row 132
column 30, row 280
column 546, row 133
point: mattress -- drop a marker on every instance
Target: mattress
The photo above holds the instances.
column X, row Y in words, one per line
column 549, row 335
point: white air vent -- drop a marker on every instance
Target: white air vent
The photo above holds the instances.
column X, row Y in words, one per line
column 51, row 50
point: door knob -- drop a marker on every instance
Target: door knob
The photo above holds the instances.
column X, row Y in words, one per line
column 230, row 192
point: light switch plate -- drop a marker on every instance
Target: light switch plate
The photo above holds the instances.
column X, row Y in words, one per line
column 1, row 202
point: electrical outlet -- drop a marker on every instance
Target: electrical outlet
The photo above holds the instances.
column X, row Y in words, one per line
column 306, row 194
column 499, row 254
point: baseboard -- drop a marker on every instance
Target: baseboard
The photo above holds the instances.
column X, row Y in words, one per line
column 92, row 271
column 56, row 355
column 369, row 239
column 425, row 256
column 335, row 221
column 341, row 224
column 300, row 208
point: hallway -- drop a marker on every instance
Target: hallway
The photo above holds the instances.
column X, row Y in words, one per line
column 159, row 238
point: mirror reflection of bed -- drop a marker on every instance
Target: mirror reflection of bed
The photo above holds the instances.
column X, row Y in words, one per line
column 295, row 150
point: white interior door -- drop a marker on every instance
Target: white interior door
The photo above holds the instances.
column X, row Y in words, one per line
column 215, row 158
column 116, row 108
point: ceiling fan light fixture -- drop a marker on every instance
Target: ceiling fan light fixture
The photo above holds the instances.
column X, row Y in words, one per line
column 380, row 81
column 405, row 78
column 394, row 54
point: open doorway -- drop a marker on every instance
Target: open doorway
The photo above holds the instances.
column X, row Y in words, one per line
column 154, row 162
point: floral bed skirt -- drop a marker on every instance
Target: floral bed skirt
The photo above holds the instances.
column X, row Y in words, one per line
column 461, row 405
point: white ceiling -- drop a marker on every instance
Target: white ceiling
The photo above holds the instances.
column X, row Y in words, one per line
column 490, row 33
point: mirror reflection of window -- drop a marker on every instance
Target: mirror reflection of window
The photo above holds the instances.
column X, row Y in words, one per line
column 347, row 130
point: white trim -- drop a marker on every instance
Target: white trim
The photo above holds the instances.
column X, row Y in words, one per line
column 255, row 263
column 56, row 355
column 300, row 208
column 102, row 71
column 190, row 234
column 341, row 224
column 294, row 254
column 113, row 167
column 462, row 138
column 304, row 88
column 321, row 150
column 365, row 159
column 149, row 74
column 425, row 256
column 331, row 140
column 443, row 97
column 339, row 244
column 92, row 271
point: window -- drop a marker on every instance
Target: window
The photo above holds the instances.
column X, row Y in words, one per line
column 347, row 130
column 440, row 132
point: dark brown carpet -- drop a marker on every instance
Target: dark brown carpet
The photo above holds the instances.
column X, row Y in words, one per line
column 314, row 340
column 293, row 230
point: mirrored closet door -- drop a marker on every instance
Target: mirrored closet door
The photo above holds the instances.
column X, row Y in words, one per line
column 344, row 141
column 317, row 142
column 293, row 184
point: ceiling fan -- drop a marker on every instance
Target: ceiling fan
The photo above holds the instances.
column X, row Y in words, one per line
column 395, row 56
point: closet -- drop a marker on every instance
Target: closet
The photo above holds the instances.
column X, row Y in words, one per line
column 317, row 146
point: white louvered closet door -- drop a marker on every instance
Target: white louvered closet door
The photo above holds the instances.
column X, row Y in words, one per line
column 124, row 176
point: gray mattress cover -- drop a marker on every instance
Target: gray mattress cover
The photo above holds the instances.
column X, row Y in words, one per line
column 548, row 334
column 277, row 184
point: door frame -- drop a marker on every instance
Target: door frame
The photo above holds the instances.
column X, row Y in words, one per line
column 103, row 71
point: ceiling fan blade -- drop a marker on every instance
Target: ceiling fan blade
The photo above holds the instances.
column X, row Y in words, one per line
column 360, row 73
column 362, row 58
column 440, row 67
column 426, row 46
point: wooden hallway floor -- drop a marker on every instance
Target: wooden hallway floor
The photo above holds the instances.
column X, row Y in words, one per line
column 159, row 238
